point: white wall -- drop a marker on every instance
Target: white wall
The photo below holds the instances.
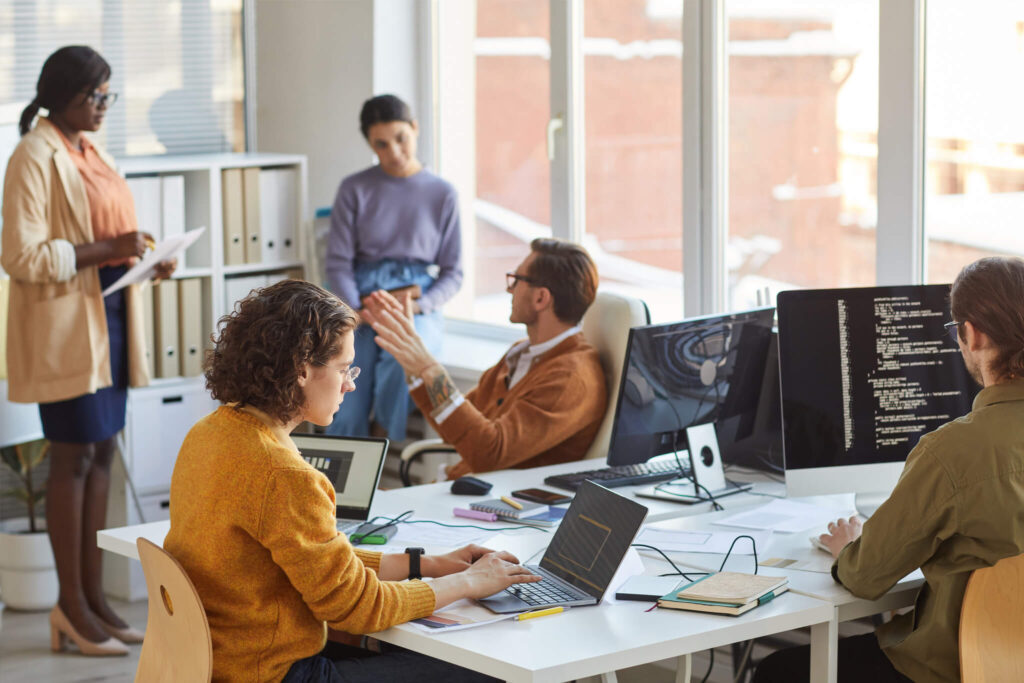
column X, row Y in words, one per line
column 317, row 62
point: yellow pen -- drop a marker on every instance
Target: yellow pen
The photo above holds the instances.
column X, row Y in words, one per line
column 539, row 613
column 517, row 505
column 150, row 243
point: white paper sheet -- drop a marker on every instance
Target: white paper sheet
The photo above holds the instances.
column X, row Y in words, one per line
column 459, row 615
column 670, row 541
column 786, row 516
column 145, row 269
column 431, row 536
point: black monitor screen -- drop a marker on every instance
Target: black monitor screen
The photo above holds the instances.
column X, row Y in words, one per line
column 710, row 369
column 865, row 372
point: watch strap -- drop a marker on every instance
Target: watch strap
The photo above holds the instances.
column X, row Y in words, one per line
column 414, row 562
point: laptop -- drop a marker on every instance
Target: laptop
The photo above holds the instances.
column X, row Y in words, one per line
column 353, row 464
column 583, row 556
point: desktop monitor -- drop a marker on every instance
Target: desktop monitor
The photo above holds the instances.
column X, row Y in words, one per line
column 864, row 372
column 709, row 369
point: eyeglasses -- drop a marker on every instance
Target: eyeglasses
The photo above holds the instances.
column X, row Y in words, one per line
column 351, row 374
column 953, row 327
column 511, row 278
column 103, row 100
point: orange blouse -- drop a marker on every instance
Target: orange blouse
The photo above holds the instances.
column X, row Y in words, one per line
column 111, row 206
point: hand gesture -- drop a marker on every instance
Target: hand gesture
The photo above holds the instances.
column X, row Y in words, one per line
column 840, row 533
column 130, row 244
column 396, row 332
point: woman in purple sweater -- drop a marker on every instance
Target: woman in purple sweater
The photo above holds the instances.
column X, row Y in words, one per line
column 394, row 226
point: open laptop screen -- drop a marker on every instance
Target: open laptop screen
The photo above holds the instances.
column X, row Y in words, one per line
column 352, row 464
column 591, row 541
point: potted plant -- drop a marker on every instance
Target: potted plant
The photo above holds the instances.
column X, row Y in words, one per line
column 28, row 576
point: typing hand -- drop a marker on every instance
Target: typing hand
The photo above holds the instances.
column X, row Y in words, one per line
column 491, row 573
column 460, row 560
column 840, row 533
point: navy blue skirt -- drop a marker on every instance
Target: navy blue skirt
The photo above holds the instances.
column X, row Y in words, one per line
column 91, row 418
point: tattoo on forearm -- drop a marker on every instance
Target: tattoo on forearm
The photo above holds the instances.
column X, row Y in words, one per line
column 440, row 387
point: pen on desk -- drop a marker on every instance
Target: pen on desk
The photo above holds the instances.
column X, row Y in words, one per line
column 517, row 505
column 475, row 514
column 539, row 613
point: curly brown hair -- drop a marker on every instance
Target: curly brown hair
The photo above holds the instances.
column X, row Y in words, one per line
column 267, row 340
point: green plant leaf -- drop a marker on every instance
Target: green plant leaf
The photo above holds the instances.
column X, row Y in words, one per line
column 9, row 455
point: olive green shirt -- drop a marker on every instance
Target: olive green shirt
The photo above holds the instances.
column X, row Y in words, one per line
column 958, row 506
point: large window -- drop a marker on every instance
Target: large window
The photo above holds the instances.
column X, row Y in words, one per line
column 176, row 65
column 633, row 76
column 803, row 109
column 513, row 197
column 974, row 179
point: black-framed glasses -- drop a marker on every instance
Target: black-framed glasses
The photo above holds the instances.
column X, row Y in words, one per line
column 953, row 328
column 102, row 100
column 512, row 278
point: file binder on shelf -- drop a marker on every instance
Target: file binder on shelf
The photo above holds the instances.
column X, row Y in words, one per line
column 165, row 326
column 279, row 214
column 172, row 203
column 190, row 323
column 251, row 194
column 146, row 195
column 234, row 216
column 148, row 292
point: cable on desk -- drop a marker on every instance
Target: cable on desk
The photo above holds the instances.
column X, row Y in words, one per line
column 678, row 571
column 715, row 505
column 474, row 526
column 753, row 544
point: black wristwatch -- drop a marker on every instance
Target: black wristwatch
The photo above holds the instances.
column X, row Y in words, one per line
column 414, row 562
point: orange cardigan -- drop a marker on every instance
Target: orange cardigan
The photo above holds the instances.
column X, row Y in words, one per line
column 551, row 415
column 254, row 527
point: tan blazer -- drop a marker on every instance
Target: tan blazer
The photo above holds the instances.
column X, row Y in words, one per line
column 57, row 342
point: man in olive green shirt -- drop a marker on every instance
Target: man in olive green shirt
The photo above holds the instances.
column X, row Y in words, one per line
column 958, row 506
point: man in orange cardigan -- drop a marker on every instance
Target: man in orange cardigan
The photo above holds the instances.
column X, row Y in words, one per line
column 542, row 403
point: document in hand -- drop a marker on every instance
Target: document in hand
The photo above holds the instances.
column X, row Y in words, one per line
column 726, row 593
column 144, row 270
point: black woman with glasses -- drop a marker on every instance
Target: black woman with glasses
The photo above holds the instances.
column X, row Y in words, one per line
column 69, row 231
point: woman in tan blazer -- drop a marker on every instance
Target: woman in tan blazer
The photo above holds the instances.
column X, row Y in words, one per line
column 69, row 231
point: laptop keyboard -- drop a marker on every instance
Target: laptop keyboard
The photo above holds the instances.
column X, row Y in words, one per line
column 541, row 593
column 621, row 475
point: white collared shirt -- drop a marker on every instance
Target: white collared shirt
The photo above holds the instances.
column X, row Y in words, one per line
column 520, row 357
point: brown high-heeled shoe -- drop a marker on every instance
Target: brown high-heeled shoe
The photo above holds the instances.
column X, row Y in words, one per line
column 61, row 630
column 127, row 635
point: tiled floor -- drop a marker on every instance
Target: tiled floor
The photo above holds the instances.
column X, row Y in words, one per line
column 25, row 655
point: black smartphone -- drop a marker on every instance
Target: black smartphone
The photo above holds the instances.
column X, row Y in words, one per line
column 542, row 496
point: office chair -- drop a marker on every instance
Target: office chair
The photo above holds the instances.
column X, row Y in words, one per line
column 177, row 646
column 992, row 625
column 606, row 326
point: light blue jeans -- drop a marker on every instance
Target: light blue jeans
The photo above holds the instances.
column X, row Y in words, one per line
column 381, row 392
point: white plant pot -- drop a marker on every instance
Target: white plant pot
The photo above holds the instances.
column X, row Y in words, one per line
column 28, row 576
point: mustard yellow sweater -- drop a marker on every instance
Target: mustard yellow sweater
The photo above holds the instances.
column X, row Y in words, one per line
column 254, row 526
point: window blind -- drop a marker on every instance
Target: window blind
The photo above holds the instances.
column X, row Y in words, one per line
column 177, row 66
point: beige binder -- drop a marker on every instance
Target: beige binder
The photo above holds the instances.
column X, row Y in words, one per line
column 251, row 193
column 148, row 292
column 190, row 326
column 165, row 328
column 234, row 216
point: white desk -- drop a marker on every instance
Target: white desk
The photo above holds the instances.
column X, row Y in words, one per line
column 603, row 638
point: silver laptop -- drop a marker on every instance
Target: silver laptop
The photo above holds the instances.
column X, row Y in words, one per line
column 353, row 465
column 583, row 556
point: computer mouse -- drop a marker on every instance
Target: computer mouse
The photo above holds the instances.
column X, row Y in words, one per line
column 470, row 486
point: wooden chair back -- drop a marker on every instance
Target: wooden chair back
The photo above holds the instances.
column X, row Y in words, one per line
column 177, row 646
column 992, row 624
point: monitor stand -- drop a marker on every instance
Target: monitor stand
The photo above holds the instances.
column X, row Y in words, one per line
column 867, row 503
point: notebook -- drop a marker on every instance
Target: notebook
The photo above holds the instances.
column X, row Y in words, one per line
column 726, row 593
column 507, row 512
column 353, row 466
column 583, row 556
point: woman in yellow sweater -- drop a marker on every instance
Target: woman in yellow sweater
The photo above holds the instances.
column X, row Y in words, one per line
column 254, row 524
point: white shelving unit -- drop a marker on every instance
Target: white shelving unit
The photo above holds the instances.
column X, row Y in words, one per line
column 160, row 415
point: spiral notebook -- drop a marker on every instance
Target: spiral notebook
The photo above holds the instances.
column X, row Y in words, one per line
column 506, row 511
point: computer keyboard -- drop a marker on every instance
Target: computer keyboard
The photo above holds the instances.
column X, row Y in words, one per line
column 620, row 475
column 540, row 593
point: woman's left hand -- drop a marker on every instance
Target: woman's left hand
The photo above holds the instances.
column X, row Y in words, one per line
column 164, row 270
column 458, row 560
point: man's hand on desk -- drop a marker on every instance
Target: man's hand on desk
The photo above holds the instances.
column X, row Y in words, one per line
column 840, row 533
column 459, row 560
